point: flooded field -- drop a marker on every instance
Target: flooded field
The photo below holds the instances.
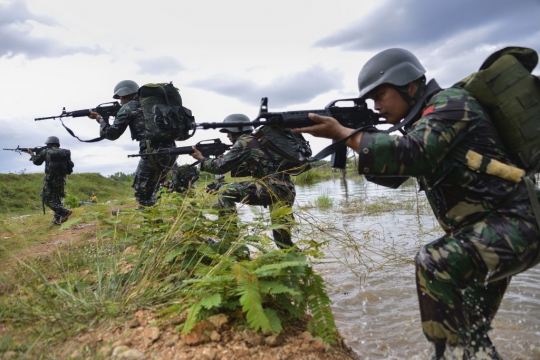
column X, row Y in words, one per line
column 374, row 234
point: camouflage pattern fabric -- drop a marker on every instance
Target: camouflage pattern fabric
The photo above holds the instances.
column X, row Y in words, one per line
column 53, row 191
column 491, row 230
column 151, row 170
column 268, row 188
column 183, row 177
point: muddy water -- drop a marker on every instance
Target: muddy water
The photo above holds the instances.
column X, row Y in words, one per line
column 370, row 276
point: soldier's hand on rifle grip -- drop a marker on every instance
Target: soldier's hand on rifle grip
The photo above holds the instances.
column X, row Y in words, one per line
column 330, row 128
column 30, row 152
column 196, row 154
column 95, row 115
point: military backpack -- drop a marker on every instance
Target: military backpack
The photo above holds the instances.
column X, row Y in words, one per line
column 289, row 150
column 166, row 119
column 184, row 177
column 58, row 162
column 510, row 93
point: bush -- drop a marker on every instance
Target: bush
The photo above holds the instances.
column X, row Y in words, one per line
column 71, row 201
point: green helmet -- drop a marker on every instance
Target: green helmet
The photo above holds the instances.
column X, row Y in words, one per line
column 237, row 118
column 392, row 66
column 52, row 140
column 125, row 87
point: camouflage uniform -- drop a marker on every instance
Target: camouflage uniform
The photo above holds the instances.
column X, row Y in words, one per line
column 268, row 188
column 491, row 231
column 151, row 169
column 53, row 191
column 183, row 177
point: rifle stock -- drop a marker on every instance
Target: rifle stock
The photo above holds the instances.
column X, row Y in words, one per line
column 212, row 147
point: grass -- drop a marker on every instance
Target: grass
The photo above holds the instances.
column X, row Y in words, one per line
column 324, row 202
column 19, row 193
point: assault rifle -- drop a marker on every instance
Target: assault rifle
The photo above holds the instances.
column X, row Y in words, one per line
column 106, row 110
column 354, row 117
column 20, row 150
column 213, row 147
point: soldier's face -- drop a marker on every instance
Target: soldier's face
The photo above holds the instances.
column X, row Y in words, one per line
column 389, row 103
column 125, row 99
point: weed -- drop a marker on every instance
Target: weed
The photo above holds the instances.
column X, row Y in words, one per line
column 324, row 202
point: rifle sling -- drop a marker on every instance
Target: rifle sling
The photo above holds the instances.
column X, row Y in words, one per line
column 75, row 136
column 152, row 160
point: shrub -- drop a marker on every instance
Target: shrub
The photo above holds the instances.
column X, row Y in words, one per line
column 71, row 201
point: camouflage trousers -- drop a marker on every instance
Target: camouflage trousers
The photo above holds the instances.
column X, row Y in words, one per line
column 151, row 171
column 52, row 195
column 268, row 192
column 461, row 278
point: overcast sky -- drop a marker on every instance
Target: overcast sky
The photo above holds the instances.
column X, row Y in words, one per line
column 224, row 56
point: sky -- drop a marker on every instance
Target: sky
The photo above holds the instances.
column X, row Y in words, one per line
column 224, row 56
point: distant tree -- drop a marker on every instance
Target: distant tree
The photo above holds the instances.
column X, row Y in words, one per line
column 121, row 177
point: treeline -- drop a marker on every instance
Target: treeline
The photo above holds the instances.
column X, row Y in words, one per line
column 20, row 193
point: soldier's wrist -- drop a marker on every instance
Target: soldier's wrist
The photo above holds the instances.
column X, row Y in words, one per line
column 99, row 118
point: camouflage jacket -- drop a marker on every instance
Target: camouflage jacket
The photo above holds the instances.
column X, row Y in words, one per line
column 452, row 121
column 51, row 178
column 131, row 115
column 246, row 153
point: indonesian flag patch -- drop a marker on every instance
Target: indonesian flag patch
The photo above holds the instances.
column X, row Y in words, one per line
column 428, row 110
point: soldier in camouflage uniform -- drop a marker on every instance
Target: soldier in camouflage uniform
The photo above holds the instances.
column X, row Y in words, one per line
column 491, row 231
column 54, row 183
column 151, row 169
column 268, row 187
column 183, row 177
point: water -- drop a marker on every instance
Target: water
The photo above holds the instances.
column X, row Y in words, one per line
column 369, row 271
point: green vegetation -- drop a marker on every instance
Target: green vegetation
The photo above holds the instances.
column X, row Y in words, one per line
column 136, row 261
column 19, row 193
column 324, row 202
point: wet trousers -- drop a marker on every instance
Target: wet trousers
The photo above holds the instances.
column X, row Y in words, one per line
column 461, row 277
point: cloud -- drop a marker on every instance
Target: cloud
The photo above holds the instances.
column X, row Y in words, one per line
column 166, row 65
column 420, row 23
column 283, row 91
column 17, row 25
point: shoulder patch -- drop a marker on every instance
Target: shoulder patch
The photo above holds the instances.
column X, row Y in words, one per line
column 428, row 110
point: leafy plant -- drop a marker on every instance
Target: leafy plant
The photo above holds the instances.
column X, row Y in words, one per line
column 71, row 201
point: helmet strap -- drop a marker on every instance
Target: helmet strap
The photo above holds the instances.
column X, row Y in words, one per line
column 411, row 100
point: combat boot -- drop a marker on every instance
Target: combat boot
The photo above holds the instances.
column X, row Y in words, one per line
column 439, row 352
column 65, row 217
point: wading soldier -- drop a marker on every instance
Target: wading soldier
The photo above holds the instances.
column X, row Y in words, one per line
column 269, row 187
column 491, row 231
column 58, row 164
